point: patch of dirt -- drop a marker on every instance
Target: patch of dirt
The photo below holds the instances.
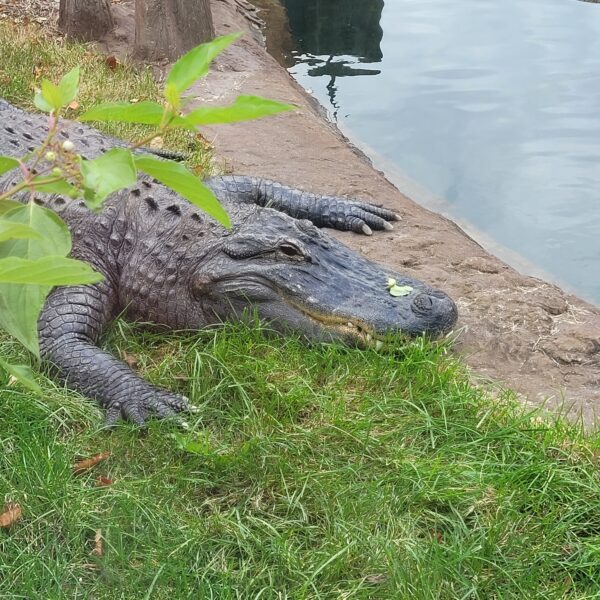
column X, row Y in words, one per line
column 43, row 12
column 515, row 331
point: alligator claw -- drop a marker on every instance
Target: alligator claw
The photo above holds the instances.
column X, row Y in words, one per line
column 362, row 217
column 158, row 404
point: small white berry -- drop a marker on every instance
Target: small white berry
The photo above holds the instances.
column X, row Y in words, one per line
column 50, row 156
column 68, row 146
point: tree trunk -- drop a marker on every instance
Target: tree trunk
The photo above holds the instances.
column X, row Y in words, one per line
column 85, row 19
column 169, row 28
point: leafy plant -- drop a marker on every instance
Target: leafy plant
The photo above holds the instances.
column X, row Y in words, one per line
column 35, row 242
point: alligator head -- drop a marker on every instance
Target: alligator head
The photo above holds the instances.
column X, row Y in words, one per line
column 296, row 278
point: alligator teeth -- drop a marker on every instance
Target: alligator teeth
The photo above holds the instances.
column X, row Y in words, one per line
column 369, row 337
column 350, row 324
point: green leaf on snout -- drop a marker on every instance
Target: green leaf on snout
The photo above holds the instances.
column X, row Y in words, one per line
column 398, row 290
column 195, row 64
column 8, row 163
column 112, row 171
column 243, row 108
column 50, row 270
column 23, row 374
column 185, row 183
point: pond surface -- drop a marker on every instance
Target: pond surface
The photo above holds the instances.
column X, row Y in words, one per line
column 493, row 106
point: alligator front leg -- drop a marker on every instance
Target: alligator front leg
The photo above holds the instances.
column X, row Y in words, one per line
column 344, row 214
column 69, row 328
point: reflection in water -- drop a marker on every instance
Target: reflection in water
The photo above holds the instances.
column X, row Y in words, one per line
column 332, row 36
column 493, row 106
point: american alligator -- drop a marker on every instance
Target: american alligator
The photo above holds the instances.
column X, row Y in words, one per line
column 167, row 263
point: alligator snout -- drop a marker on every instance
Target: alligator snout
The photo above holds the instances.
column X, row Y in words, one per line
column 435, row 310
column 422, row 304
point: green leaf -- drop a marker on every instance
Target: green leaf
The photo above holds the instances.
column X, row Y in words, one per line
column 47, row 184
column 6, row 205
column 69, row 86
column 173, row 97
column 147, row 113
column 112, row 171
column 195, row 64
column 11, row 231
column 7, row 164
column 52, row 95
column 50, row 270
column 41, row 103
column 400, row 290
column 23, row 374
column 52, row 98
column 185, row 183
column 20, row 304
column 243, row 108
column 55, row 237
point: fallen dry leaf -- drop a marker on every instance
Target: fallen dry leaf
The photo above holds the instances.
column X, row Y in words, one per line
column 12, row 513
column 204, row 142
column 130, row 359
column 102, row 481
column 437, row 535
column 85, row 465
column 112, row 62
column 98, row 544
column 74, row 105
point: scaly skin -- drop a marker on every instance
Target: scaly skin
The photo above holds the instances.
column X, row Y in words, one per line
column 167, row 263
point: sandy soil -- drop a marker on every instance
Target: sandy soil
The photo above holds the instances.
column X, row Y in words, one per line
column 514, row 330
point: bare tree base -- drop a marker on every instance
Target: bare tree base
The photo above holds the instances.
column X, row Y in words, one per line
column 85, row 20
column 170, row 29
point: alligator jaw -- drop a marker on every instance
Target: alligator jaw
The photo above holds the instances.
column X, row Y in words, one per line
column 342, row 327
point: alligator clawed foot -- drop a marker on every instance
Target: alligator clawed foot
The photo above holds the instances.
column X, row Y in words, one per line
column 363, row 217
column 157, row 404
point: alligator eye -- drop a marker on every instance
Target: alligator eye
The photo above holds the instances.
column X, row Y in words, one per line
column 291, row 250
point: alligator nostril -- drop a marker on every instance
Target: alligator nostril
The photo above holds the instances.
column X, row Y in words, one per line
column 422, row 304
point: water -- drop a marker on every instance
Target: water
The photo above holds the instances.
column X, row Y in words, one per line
column 494, row 106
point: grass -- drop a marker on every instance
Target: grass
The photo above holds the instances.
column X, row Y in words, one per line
column 318, row 472
column 310, row 472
